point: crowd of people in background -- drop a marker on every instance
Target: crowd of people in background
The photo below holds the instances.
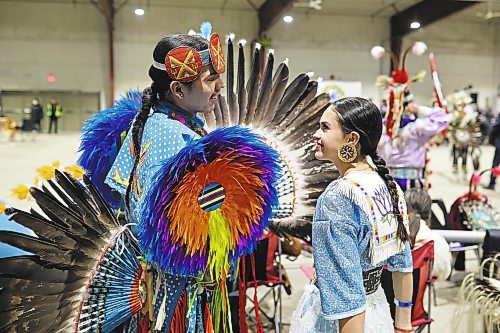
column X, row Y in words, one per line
column 32, row 119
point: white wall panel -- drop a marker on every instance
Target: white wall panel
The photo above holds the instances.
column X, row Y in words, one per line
column 38, row 39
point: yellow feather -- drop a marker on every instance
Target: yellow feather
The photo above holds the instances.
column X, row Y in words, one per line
column 2, row 208
column 21, row 192
column 47, row 172
column 220, row 244
column 75, row 171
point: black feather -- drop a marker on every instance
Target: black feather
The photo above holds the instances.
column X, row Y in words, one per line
column 253, row 86
column 265, row 91
column 290, row 98
column 240, row 85
column 231, row 96
column 280, row 80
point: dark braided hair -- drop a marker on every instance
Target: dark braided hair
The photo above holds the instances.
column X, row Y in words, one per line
column 359, row 115
column 158, row 90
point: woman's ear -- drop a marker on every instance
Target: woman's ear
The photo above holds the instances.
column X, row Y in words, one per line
column 353, row 138
column 176, row 89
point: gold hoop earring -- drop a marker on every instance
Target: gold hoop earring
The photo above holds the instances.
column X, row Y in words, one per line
column 347, row 152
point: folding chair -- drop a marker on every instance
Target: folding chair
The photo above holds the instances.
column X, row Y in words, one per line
column 435, row 220
column 267, row 271
column 423, row 259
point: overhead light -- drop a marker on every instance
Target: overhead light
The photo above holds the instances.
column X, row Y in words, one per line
column 288, row 19
column 415, row 25
column 139, row 11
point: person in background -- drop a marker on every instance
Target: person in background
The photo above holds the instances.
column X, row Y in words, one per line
column 36, row 115
column 383, row 108
column 419, row 205
column 405, row 154
column 54, row 112
column 494, row 139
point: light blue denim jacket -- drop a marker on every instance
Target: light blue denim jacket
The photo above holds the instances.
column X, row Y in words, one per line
column 341, row 244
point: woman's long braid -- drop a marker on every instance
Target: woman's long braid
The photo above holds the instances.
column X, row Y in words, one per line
column 383, row 171
column 148, row 98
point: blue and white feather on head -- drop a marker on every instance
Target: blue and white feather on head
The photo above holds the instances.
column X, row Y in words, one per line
column 206, row 30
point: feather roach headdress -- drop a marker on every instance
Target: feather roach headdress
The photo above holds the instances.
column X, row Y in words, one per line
column 397, row 84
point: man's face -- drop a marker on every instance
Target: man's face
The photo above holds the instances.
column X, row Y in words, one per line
column 202, row 95
column 53, row 100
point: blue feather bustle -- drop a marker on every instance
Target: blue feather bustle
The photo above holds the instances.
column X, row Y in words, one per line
column 101, row 137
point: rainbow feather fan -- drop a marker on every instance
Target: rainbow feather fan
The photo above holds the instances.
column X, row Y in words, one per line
column 210, row 204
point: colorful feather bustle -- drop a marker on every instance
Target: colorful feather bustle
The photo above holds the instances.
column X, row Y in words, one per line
column 102, row 136
column 213, row 206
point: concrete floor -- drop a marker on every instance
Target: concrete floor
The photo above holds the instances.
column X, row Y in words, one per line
column 20, row 159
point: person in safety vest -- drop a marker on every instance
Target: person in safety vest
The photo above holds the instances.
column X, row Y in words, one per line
column 54, row 112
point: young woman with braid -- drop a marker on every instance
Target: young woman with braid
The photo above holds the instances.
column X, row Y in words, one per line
column 167, row 121
column 359, row 226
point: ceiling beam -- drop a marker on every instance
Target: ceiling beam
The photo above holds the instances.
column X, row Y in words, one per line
column 271, row 11
column 426, row 12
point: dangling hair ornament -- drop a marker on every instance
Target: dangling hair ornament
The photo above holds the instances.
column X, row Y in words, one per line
column 397, row 84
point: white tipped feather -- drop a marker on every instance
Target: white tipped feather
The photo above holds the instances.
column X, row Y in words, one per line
column 230, row 37
column 258, row 46
column 242, row 42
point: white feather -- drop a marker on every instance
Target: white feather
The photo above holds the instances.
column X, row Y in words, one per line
column 286, row 61
column 230, row 37
column 271, row 51
column 242, row 42
column 377, row 52
column 191, row 32
column 419, row 48
column 258, row 46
